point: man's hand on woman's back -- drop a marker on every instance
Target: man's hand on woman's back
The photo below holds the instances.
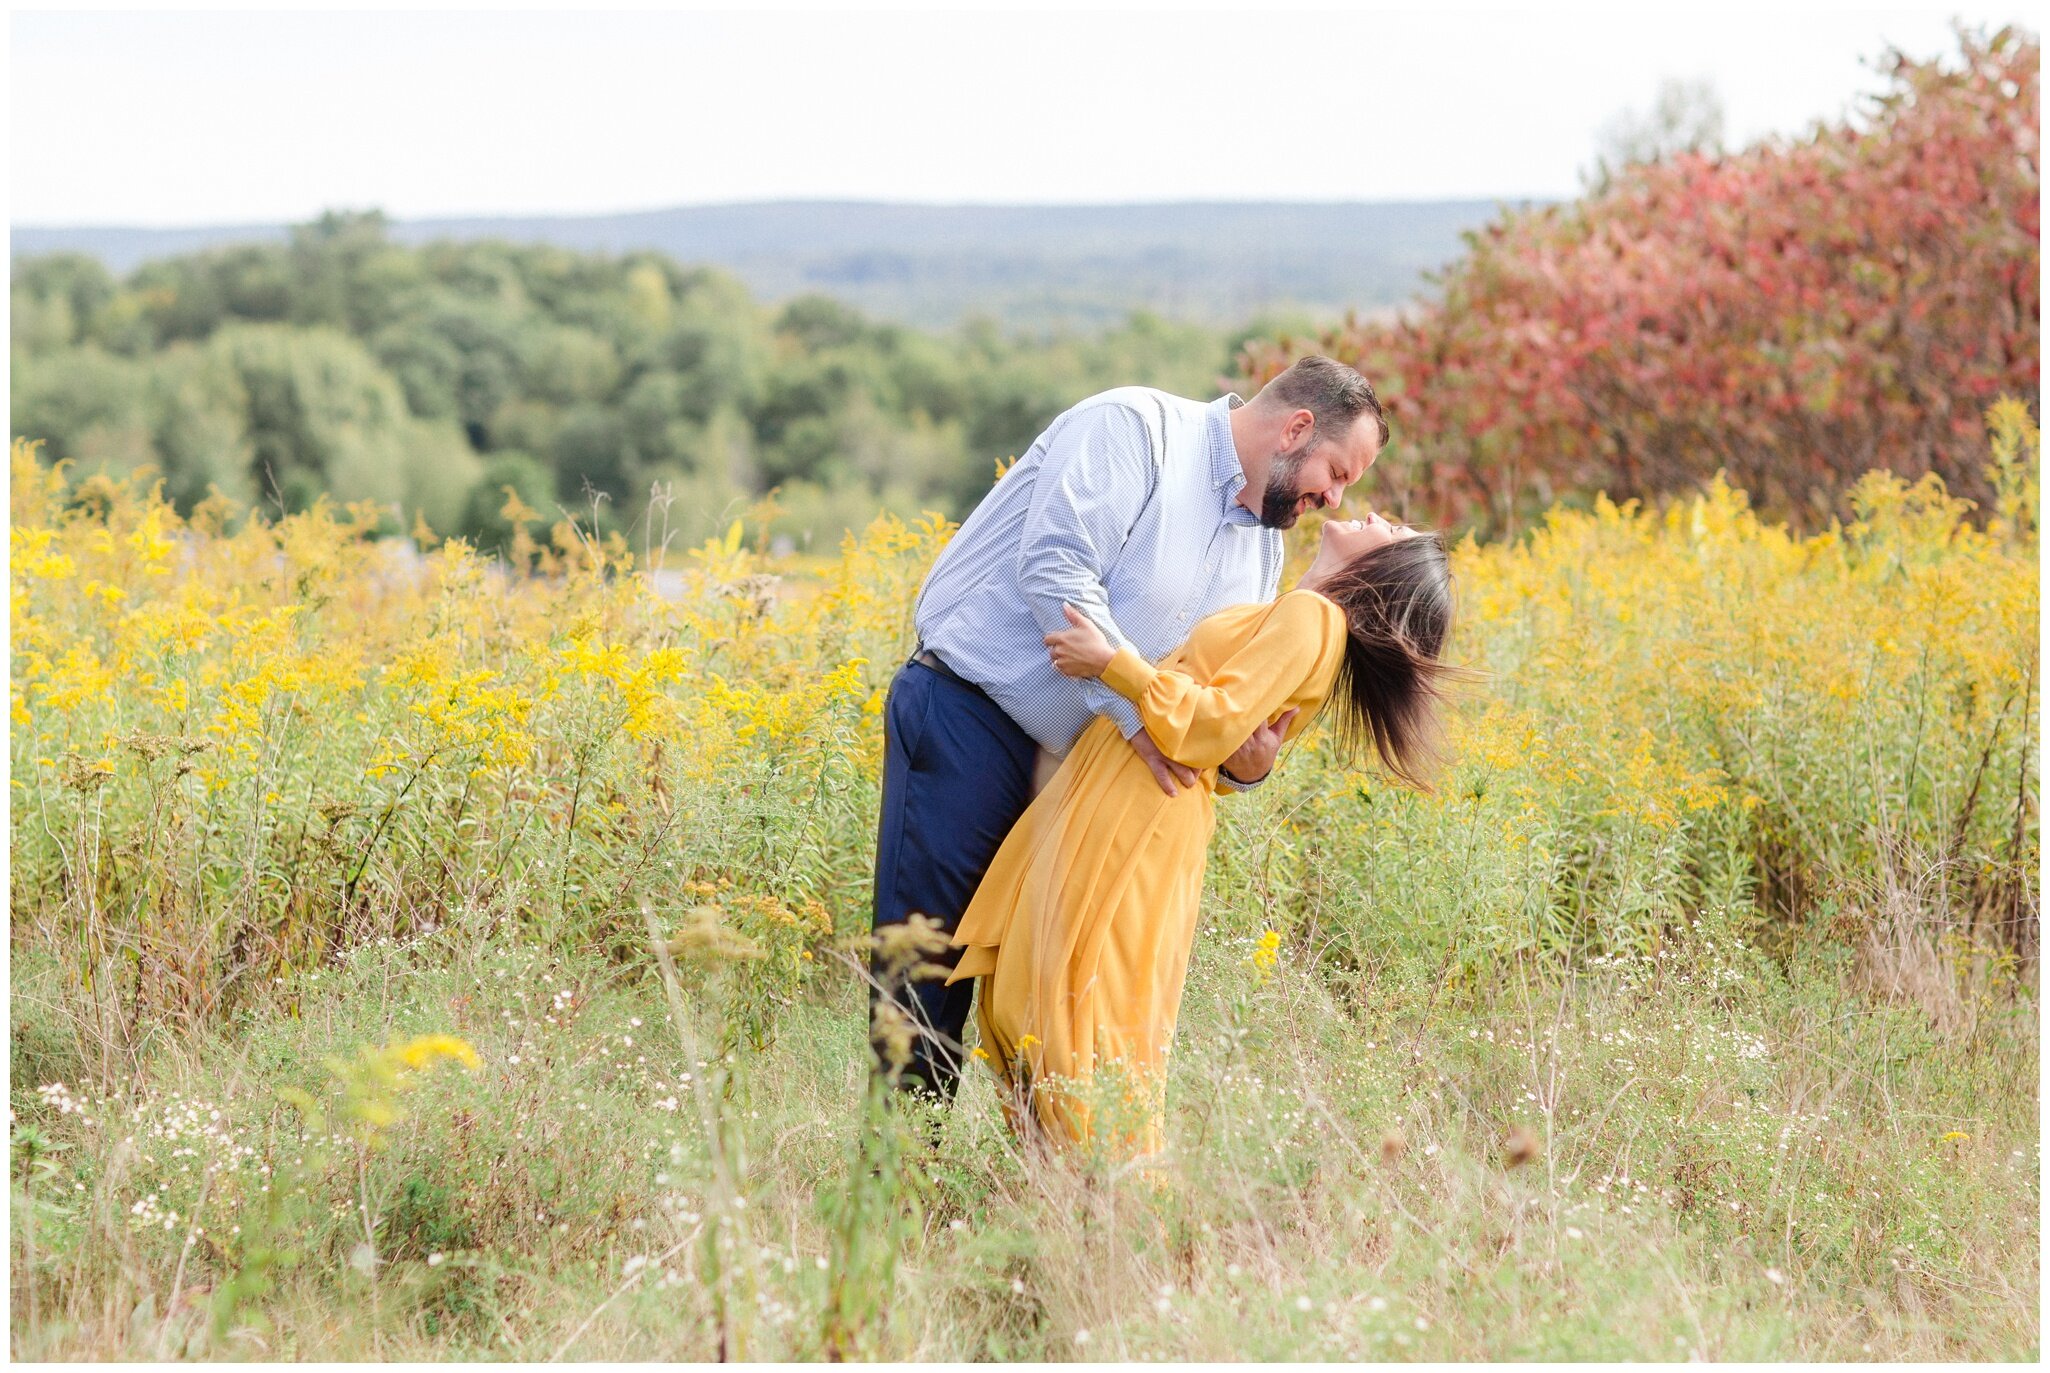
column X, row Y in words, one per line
column 1255, row 757
column 1165, row 770
column 1252, row 762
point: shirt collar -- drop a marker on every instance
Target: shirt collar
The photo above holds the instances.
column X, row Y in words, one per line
column 1227, row 477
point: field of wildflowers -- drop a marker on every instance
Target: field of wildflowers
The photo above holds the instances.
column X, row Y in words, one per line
column 419, row 955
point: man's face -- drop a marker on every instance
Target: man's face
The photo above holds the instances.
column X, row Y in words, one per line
column 1313, row 475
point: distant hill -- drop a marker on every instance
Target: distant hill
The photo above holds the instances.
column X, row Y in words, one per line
column 933, row 265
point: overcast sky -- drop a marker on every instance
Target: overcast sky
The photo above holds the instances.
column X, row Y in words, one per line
column 164, row 119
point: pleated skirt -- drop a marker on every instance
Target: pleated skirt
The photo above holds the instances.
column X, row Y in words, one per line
column 1080, row 934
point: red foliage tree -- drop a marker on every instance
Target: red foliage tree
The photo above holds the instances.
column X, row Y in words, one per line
column 1794, row 314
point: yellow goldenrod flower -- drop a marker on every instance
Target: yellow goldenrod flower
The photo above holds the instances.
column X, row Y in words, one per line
column 425, row 1050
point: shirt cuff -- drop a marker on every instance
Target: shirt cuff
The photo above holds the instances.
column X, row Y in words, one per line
column 1235, row 785
column 1128, row 674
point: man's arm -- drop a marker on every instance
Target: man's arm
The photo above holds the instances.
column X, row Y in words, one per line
column 1093, row 483
column 1249, row 767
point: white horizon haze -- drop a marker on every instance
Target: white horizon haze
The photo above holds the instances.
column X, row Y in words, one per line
column 162, row 119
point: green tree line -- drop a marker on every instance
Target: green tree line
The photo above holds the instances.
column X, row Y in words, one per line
column 430, row 378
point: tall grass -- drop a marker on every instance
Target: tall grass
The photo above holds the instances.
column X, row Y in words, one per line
column 1694, row 1016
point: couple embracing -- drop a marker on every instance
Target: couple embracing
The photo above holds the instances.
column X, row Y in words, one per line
column 1101, row 653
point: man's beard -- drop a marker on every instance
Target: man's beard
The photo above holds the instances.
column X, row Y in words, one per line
column 1280, row 503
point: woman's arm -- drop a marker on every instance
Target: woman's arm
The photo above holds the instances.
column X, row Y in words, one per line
column 1202, row 724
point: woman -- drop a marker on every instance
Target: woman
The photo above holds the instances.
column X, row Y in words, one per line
column 1082, row 927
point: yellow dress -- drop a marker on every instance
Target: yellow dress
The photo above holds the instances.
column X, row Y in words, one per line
column 1082, row 927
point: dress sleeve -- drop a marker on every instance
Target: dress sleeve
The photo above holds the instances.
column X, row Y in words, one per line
column 1201, row 724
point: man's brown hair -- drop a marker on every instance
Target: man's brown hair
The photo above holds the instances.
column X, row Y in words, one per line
column 1333, row 392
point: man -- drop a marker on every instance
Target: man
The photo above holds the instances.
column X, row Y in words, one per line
column 1146, row 512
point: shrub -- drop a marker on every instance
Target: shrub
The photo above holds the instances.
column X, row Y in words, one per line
column 1792, row 315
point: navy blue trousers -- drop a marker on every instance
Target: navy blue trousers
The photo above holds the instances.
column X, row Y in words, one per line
column 957, row 774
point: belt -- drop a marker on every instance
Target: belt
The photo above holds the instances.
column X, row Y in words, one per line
column 998, row 716
column 925, row 657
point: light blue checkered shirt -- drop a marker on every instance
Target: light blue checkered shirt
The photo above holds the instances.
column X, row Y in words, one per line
column 1126, row 508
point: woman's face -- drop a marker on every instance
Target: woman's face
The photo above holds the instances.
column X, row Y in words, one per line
column 1345, row 540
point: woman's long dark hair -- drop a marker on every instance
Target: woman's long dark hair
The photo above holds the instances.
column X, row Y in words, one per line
column 1397, row 601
